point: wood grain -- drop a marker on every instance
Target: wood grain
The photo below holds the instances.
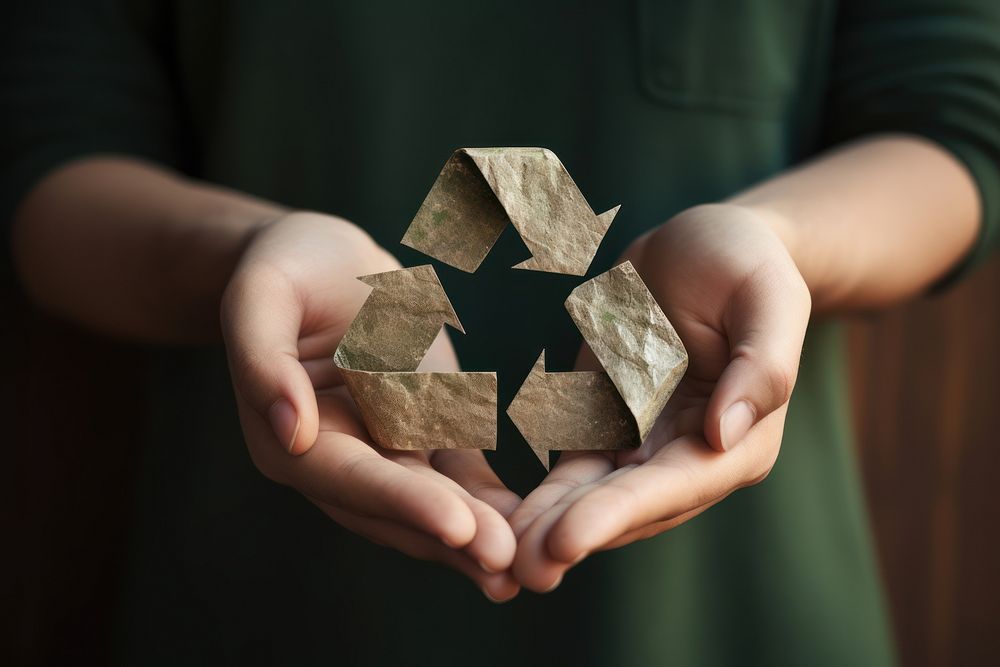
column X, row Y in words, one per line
column 926, row 394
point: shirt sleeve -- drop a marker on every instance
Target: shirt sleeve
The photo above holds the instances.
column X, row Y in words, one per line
column 78, row 77
column 929, row 68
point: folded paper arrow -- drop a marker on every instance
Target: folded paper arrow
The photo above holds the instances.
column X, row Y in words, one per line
column 378, row 358
column 643, row 360
column 478, row 192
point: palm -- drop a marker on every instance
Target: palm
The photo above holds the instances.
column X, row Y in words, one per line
column 286, row 310
column 708, row 275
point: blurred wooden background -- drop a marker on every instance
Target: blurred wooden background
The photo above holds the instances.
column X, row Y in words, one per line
column 926, row 381
column 926, row 388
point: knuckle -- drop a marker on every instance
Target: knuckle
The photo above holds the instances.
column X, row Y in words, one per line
column 244, row 368
column 779, row 375
column 781, row 381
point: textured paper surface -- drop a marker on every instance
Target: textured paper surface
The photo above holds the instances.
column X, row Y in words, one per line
column 378, row 358
column 643, row 359
column 480, row 190
column 575, row 410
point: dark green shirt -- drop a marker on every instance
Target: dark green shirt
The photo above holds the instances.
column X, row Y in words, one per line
column 352, row 108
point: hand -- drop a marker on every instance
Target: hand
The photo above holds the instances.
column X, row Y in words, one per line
column 730, row 288
column 286, row 308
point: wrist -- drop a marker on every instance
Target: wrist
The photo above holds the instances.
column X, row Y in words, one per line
column 210, row 235
column 807, row 258
column 780, row 225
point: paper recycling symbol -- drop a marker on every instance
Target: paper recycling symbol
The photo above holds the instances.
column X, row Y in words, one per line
column 478, row 192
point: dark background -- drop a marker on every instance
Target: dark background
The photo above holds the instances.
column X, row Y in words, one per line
column 926, row 380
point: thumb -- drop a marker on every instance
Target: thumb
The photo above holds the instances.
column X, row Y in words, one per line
column 261, row 319
column 765, row 322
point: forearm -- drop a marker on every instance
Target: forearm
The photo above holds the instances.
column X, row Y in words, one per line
column 131, row 249
column 874, row 222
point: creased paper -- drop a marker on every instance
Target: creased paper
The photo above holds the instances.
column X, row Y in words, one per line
column 643, row 360
column 575, row 410
column 378, row 358
column 480, row 190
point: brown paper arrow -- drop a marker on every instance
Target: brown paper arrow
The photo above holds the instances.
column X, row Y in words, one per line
column 643, row 360
column 558, row 411
column 378, row 358
column 480, row 190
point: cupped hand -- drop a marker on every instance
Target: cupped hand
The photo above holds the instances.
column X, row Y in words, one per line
column 729, row 286
column 286, row 308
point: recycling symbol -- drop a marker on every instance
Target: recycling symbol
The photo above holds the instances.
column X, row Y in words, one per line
column 477, row 194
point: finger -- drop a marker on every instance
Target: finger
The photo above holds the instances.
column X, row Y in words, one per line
column 496, row 586
column 261, row 316
column 681, row 477
column 323, row 373
column 538, row 571
column 471, row 471
column 666, row 429
column 654, row 529
column 343, row 470
column 766, row 324
column 574, row 470
column 534, row 567
column 493, row 545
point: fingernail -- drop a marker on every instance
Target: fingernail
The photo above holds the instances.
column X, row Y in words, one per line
column 448, row 543
column 487, row 568
column 736, row 421
column 489, row 597
column 554, row 585
column 284, row 422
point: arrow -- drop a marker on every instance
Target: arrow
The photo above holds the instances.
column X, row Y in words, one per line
column 583, row 410
column 643, row 360
column 378, row 357
column 480, row 190
column 407, row 300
